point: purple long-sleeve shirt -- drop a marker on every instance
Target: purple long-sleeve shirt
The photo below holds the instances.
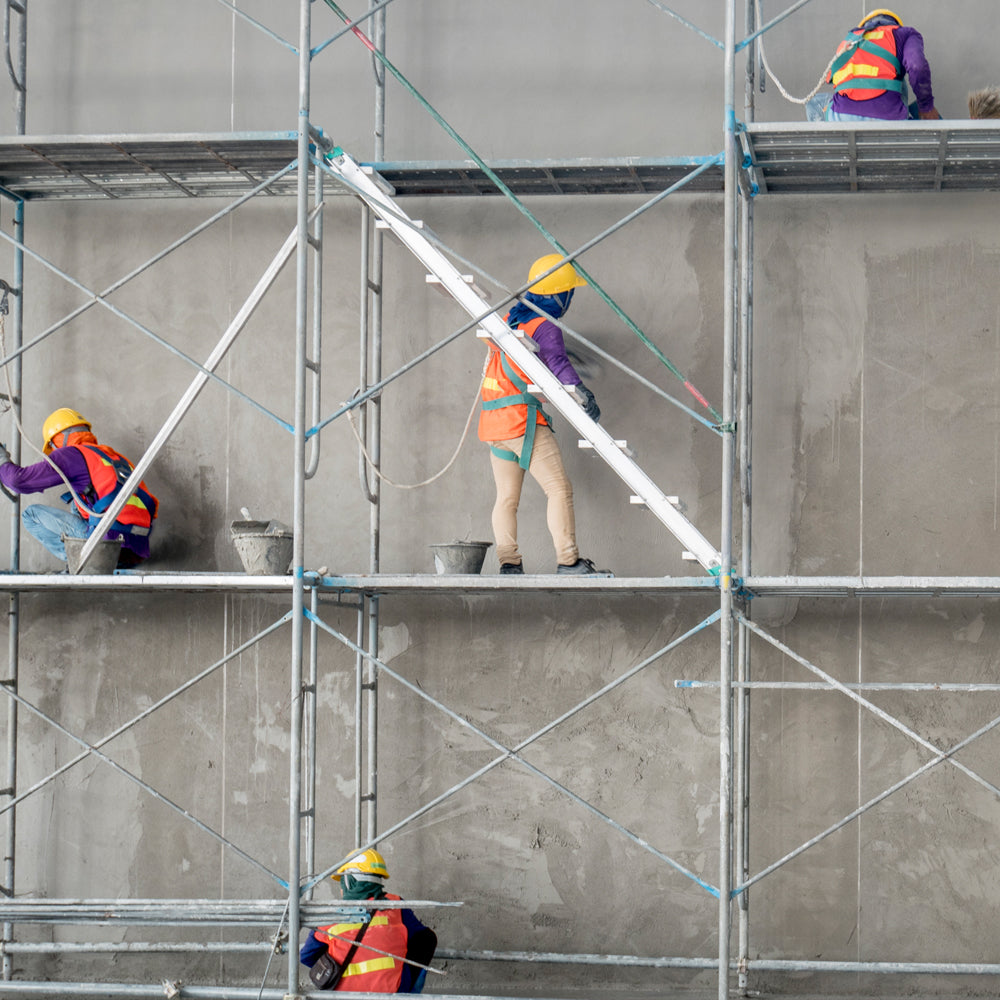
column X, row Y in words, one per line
column 552, row 351
column 41, row 476
column 890, row 105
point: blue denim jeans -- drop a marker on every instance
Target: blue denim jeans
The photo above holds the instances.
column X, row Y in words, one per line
column 49, row 524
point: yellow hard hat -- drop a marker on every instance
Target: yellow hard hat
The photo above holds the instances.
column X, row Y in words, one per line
column 59, row 421
column 368, row 862
column 875, row 13
column 562, row 279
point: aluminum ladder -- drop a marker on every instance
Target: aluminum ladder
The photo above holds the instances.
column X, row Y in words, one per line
column 377, row 195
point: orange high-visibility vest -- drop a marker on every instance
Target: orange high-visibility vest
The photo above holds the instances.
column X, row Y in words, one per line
column 866, row 65
column 108, row 471
column 370, row 971
column 507, row 403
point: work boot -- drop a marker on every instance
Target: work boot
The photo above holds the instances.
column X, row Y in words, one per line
column 508, row 569
column 581, row 567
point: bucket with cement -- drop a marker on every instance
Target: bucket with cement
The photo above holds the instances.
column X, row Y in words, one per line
column 264, row 547
column 104, row 558
column 459, row 557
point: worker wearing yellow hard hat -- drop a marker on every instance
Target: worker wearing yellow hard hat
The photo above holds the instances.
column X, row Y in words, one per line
column 871, row 68
column 517, row 428
column 384, row 951
column 95, row 474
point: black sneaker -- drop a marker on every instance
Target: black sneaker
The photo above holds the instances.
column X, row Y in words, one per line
column 507, row 569
column 581, row 567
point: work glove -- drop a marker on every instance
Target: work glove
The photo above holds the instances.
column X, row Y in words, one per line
column 4, row 454
column 590, row 406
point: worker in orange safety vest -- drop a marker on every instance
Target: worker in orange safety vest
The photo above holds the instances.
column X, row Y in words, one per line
column 95, row 474
column 518, row 430
column 870, row 70
column 395, row 936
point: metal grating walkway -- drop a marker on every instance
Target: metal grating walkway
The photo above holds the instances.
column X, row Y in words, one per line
column 777, row 158
column 833, row 158
column 145, row 166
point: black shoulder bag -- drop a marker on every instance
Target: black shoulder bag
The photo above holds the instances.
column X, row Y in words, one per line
column 326, row 973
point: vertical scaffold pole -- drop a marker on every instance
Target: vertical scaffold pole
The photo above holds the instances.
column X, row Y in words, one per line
column 18, row 66
column 298, row 504
column 14, row 601
column 375, row 434
column 726, row 545
column 743, row 668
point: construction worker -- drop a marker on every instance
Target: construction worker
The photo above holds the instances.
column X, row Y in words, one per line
column 95, row 473
column 869, row 71
column 393, row 934
column 517, row 429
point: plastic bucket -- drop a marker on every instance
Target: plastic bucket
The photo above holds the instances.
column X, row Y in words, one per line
column 459, row 557
column 104, row 558
column 263, row 550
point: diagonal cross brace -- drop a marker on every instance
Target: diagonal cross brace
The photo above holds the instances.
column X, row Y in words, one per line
column 553, row 390
column 186, row 401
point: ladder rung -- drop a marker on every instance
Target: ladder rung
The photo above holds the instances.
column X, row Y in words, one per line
column 673, row 501
column 584, row 443
column 527, row 341
column 433, row 279
column 689, row 556
column 412, row 224
column 379, row 181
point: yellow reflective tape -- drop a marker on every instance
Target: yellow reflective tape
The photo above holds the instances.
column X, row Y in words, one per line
column 859, row 70
column 341, row 928
column 373, row 965
column 491, row 383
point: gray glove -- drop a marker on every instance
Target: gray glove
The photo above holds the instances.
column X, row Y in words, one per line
column 4, row 454
column 590, row 406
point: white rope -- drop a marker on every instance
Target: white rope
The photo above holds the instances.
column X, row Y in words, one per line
column 767, row 69
column 426, row 482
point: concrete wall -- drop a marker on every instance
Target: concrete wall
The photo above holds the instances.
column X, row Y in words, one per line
column 877, row 346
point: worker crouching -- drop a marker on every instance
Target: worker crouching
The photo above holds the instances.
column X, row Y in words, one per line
column 95, row 474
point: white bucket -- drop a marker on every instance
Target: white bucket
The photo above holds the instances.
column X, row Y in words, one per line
column 459, row 557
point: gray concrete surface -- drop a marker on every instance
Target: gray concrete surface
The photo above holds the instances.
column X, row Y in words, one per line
column 877, row 346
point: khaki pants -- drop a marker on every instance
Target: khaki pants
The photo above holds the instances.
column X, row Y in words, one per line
column 547, row 470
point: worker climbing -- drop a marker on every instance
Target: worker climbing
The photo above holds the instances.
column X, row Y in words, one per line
column 869, row 73
column 396, row 946
column 95, row 474
column 519, row 431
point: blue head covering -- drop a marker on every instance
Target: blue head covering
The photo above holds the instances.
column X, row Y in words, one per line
column 551, row 305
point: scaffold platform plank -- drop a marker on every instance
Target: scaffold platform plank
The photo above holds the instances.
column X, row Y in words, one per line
column 876, row 157
column 777, row 158
column 189, row 165
column 132, row 581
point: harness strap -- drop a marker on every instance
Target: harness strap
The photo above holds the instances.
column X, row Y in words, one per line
column 123, row 469
column 534, row 407
column 855, row 42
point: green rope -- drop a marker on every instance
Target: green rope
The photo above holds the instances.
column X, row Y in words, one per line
column 522, row 208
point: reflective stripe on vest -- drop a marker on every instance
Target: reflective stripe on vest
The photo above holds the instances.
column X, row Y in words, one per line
column 509, row 411
column 371, row 972
column 866, row 65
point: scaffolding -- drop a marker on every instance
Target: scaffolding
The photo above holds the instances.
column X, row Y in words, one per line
column 756, row 159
